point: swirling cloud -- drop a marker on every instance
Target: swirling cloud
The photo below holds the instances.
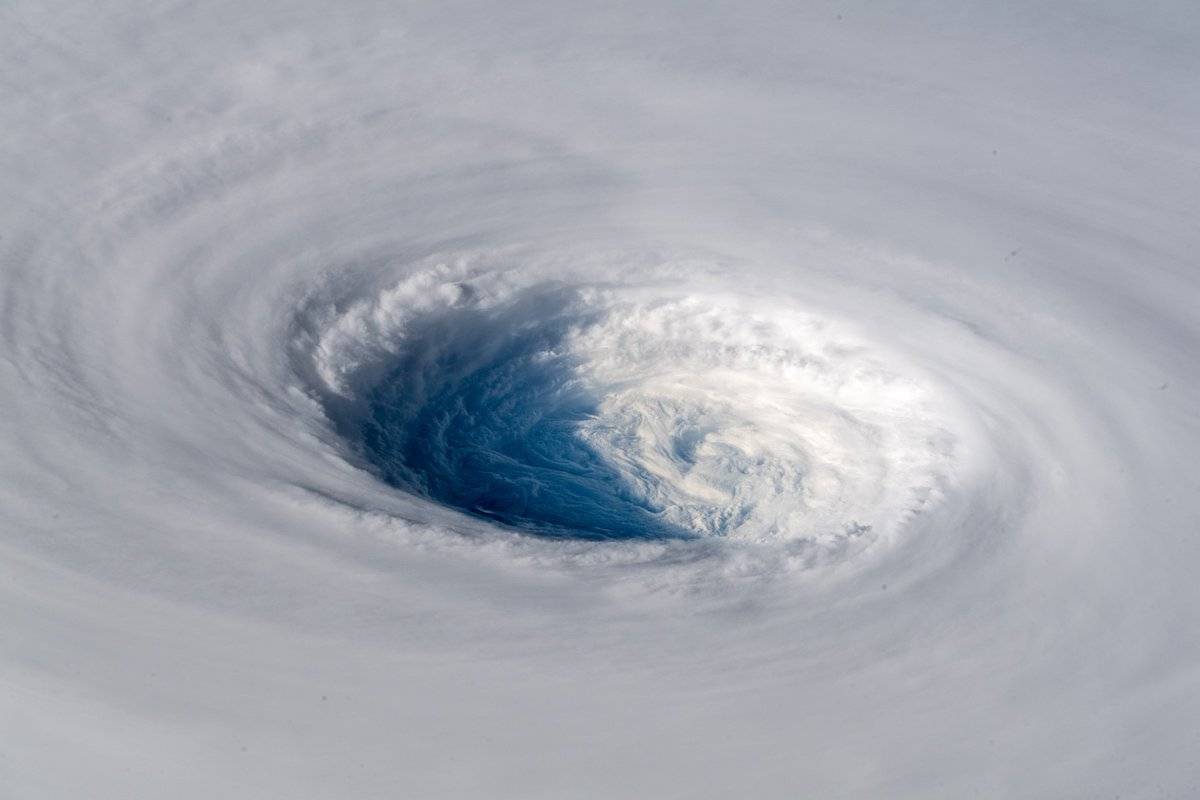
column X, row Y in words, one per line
column 596, row 401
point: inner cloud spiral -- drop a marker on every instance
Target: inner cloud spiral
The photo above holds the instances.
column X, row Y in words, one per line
column 475, row 400
column 634, row 412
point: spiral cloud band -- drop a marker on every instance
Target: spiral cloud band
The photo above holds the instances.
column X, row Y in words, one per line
column 594, row 400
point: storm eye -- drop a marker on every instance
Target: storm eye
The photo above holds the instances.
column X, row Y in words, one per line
column 485, row 412
column 574, row 412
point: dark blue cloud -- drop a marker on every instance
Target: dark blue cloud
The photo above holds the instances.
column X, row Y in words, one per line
column 481, row 413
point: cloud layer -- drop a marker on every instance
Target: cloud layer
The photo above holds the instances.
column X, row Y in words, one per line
column 595, row 401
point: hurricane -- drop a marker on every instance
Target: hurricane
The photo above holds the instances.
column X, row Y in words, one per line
column 591, row 400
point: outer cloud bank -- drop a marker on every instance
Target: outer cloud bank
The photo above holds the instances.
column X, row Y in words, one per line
column 209, row 218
